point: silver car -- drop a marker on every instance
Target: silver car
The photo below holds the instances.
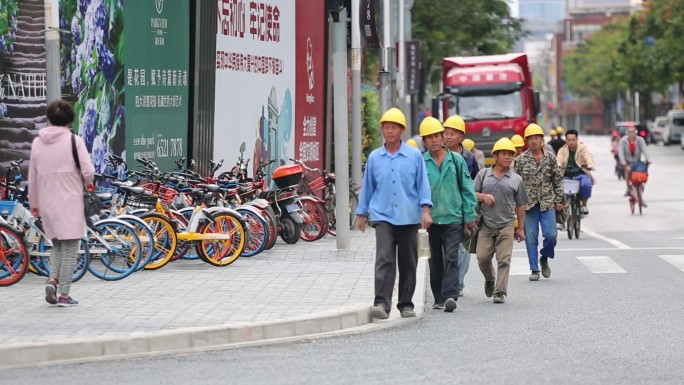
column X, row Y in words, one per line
column 674, row 128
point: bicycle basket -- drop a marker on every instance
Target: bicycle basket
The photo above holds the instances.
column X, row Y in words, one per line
column 638, row 177
column 141, row 201
column 640, row 167
column 165, row 194
column 3, row 189
column 571, row 186
column 7, row 207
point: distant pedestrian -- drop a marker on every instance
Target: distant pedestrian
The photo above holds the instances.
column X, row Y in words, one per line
column 453, row 206
column 470, row 145
column 519, row 144
column 396, row 194
column 558, row 142
column 544, row 185
column 502, row 193
column 56, row 196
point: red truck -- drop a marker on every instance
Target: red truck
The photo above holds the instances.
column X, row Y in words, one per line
column 493, row 94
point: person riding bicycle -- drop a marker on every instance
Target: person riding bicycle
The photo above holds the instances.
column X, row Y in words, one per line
column 632, row 149
column 576, row 162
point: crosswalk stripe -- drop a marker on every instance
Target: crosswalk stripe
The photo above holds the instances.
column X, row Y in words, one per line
column 601, row 265
column 519, row 266
column 675, row 260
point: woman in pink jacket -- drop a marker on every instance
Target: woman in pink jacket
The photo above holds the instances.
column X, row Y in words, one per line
column 56, row 195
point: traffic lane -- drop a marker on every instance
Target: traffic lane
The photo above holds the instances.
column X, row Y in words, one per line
column 609, row 209
column 577, row 327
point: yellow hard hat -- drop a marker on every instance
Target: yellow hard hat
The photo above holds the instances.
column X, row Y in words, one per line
column 468, row 144
column 456, row 122
column 553, row 132
column 518, row 140
column 559, row 130
column 394, row 115
column 430, row 126
column 533, row 129
column 503, row 144
column 412, row 143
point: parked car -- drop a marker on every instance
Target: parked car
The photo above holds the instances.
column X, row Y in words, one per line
column 658, row 128
column 620, row 130
column 674, row 127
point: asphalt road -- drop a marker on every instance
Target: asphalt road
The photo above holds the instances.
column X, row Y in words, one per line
column 611, row 313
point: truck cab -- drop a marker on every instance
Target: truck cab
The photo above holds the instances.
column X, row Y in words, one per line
column 493, row 94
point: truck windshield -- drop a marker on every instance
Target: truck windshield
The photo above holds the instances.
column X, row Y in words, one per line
column 478, row 107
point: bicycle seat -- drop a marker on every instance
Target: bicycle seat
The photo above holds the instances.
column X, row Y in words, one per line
column 122, row 183
column 133, row 190
column 209, row 187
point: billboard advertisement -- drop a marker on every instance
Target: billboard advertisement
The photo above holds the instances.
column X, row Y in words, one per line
column 130, row 96
column 269, row 80
column 310, row 88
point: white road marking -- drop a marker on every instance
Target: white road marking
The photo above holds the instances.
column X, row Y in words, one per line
column 520, row 266
column 610, row 249
column 601, row 265
column 675, row 260
column 612, row 241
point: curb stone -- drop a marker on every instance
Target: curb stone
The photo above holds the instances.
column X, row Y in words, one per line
column 333, row 323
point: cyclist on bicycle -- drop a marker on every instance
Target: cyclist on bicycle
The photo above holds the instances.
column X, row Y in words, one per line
column 576, row 162
column 632, row 149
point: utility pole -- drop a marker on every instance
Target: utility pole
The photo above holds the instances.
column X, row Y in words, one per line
column 401, row 75
column 356, row 92
column 341, row 128
column 53, row 86
column 384, row 75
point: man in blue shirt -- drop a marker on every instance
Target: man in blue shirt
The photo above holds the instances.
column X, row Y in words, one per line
column 396, row 194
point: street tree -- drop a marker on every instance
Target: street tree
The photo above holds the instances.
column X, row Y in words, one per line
column 461, row 28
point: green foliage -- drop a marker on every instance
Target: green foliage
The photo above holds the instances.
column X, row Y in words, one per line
column 370, row 123
column 462, row 28
column 640, row 53
column 8, row 26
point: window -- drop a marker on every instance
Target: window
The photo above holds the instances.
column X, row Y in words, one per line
column 501, row 106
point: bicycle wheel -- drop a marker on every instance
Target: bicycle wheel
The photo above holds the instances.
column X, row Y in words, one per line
column 315, row 219
column 145, row 235
column 44, row 248
column 165, row 240
column 639, row 192
column 578, row 218
column 272, row 223
column 184, row 249
column 632, row 200
column 353, row 203
column 570, row 225
column 230, row 240
column 112, row 246
column 257, row 232
column 13, row 256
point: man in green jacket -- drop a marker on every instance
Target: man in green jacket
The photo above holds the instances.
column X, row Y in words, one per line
column 453, row 206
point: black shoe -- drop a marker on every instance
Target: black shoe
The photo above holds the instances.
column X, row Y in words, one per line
column 489, row 288
column 407, row 312
column 438, row 306
column 450, row 305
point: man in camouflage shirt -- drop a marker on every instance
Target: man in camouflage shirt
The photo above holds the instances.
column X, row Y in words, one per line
column 544, row 186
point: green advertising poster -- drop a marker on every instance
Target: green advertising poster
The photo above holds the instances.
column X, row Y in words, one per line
column 157, row 80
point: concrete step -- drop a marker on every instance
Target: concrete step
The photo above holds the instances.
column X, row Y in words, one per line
column 27, row 55
column 33, row 14
column 23, row 25
column 24, row 63
column 37, row 38
column 29, row 48
column 31, row 5
column 15, row 136
column 27, row 110
column 28, row 124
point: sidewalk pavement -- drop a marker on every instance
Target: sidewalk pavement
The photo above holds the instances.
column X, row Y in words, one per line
column 301, row 291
